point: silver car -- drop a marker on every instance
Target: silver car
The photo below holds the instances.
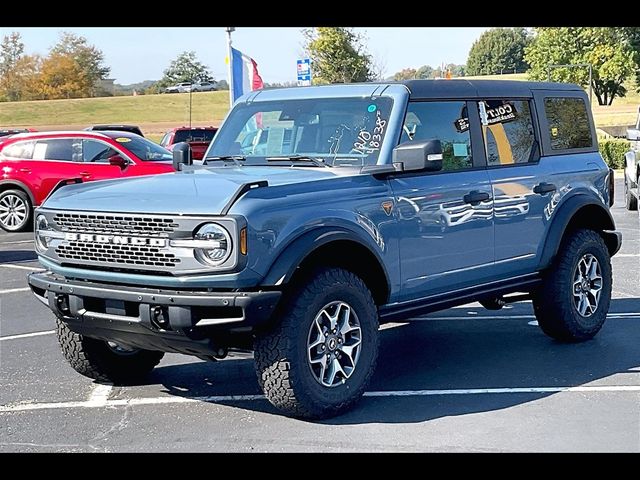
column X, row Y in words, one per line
column 203, row 87
column 184, row 87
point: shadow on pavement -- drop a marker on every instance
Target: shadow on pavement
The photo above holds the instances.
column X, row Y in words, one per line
column 446, row 354
column 9, row 256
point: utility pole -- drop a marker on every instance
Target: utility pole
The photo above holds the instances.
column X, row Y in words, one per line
column 190, row 93
column 229, row 66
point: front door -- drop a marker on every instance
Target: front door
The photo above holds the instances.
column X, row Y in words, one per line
column 445, row 218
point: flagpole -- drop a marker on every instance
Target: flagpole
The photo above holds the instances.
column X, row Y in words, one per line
column 229, row 64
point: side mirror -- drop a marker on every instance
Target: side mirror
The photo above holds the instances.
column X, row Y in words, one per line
column 418, row 155
column 181, row 155
column 118, row 161
column 633, row 134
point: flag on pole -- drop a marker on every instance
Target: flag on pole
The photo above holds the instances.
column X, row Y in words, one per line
column 244, row 71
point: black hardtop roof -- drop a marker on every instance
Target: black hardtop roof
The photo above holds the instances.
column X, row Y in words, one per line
column 463, row 88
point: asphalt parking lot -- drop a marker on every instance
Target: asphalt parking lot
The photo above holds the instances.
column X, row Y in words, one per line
column 465, row 379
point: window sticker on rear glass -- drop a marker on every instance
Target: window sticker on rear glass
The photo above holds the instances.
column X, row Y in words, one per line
column 122, row 139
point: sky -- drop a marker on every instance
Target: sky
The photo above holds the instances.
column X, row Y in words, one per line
column 142, row 53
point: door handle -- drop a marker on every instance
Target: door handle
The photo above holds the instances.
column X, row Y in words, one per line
column 24, row 170
column 544, row 187
column 85, row 174
column 475, row 197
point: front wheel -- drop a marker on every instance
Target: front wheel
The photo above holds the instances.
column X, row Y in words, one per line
column 317, row 362
column 15, row 211
column 105, row 361
column 573, row 302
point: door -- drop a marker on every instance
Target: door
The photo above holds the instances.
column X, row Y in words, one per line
column 95, row 161
column 520, row 193
column 445, row 218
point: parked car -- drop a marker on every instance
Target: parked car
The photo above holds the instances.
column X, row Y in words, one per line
column 203, row 87
column 34, row 164
column 295, row 246
column 198, row 139
column 4, row 132
column 116, row 128
column 184, row 87
column 632, row 167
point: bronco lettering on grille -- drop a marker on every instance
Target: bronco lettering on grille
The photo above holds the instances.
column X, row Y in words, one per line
column 114, row 239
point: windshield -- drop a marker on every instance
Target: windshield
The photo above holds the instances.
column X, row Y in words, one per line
column 195, row 135
column 144, row 149
column 340, row 131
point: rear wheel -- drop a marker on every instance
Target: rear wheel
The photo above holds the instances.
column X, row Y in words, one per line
column 319, row 359
column 631, row 201
column 15, row 211
column 105, row 361
column 573, row 302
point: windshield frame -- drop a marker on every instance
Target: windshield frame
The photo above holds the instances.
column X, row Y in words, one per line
column 398, row 95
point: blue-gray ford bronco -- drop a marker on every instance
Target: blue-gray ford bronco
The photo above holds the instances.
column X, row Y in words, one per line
column 321, row 212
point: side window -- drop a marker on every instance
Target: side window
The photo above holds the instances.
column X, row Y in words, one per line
column 446, row 121
column 96, row 152
column 569, row 125
column 20, row 150
column 508, row 131
column 62, row 149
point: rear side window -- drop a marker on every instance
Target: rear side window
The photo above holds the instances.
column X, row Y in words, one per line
column 569, row 125
column 19, row 150
column 508, row 132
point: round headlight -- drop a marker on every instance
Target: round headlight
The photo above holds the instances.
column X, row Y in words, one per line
column 42, row 225
column 220, row 244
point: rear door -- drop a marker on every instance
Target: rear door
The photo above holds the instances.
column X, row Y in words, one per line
column 520, row 193
column 445, row 218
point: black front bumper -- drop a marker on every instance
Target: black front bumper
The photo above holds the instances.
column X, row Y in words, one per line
column 196, row 323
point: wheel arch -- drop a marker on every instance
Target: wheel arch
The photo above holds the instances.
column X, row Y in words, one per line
column 16, row 184
column 331, row 247
column 579, row 211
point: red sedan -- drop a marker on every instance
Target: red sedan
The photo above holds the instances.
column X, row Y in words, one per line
column 32, row 164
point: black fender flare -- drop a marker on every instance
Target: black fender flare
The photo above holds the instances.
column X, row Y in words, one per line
column 21, row 186
column 563, row 216
column 285, row 265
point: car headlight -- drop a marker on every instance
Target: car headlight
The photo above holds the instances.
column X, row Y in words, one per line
column 214, row 244
column 42, row 240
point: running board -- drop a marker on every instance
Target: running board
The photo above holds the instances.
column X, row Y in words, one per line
column 442, row 301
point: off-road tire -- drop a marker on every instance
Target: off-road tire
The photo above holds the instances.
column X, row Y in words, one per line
column 26, row 224
column 95, row 359
column 283, row 370
column 553, row 303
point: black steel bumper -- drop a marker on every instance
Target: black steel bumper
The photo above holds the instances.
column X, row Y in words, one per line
column 196, row 323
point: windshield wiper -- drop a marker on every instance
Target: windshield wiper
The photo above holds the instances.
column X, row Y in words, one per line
column 234, row 158
column 318, row 162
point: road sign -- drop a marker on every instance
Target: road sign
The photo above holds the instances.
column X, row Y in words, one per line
column 304, row 72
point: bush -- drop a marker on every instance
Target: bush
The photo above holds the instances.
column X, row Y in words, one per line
column 613, row 152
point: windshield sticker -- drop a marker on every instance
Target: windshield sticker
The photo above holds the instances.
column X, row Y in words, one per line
column 122, row 139
column 368, row 142
column 372, row 108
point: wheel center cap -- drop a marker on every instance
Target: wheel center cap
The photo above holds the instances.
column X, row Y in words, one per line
column 585, row 285
column 332, row 344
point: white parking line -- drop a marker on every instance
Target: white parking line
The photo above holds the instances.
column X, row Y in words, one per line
column 16, row 242
column 123, row 402
column 626, row 255
column 14, row 290
column 611, row 316
column 100, row 395
column 26, row 335
column 22, row 267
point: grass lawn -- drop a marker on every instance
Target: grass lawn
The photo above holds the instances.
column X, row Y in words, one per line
column 157, row 113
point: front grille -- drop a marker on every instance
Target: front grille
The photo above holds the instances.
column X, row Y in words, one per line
column 115, row 224
column 117, row 254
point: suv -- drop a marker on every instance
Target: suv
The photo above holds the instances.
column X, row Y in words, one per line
column 291, row 243
column 632, row 167
column 198, row 139
column 116, row 128
column 35, row 164
column 184, row 87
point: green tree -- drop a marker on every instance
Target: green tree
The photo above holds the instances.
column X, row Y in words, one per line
column 633, row 34
column 425, row 72
column 498, row 50
column 607, row 49
column 337, row 55
column 89, row 58
column 405, row 74
column 11, row 51
column 185, row 68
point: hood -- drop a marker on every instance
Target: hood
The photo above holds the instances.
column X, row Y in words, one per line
column 202, row 191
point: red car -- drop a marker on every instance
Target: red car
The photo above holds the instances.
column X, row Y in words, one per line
column 198, row 139
column 33, row 164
